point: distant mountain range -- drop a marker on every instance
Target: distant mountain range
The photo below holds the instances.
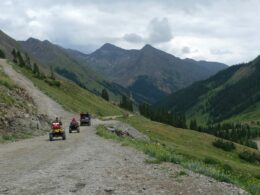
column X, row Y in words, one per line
column 147, row 75
column 51, row 55
column 232, row 94
column 148, row 72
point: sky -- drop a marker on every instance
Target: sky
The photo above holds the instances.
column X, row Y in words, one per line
column 215, row 30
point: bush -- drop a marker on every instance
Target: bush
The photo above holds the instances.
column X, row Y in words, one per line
column 210, row 160
column 227, row 168
column 53, row 82
column 250, row 157
column 225, row 145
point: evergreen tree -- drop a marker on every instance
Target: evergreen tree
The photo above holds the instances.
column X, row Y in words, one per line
column 14, row 56
column 36, row 70
column 2, row 54
column 104, row 95
column 20, row 59
column 126, row 103
column 52, row 76
column 193, row 125
column 27, row 61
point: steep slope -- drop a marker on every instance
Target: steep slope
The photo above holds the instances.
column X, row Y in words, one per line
column 148, row 68
column 232, row 92
column 51, row 55
column 19, row 117
column 7, row 44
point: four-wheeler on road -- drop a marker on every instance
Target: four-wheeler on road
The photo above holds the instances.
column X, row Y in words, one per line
column 57, row 131
column 74, row 126
column 85, row 119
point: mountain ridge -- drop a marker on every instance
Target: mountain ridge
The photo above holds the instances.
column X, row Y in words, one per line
column 232, row 92
column 165, row 72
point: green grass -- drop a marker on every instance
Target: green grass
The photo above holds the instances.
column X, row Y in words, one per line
column 5, row 85
column 73, row 98
column 193, row 150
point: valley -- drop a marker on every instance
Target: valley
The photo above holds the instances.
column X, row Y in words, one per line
column 89, row 164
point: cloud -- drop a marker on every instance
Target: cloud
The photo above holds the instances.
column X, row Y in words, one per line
column 186, row 50
column 133, row 38
column 216, row 29
column 159, row 31
column 220, row 51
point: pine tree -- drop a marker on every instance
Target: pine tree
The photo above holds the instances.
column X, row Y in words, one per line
column 14, row 56
column 20, row 59
column 104, row 95
column 36, row 70
column 2, row 54
column 52, row 76
column 126, row 103
column 193, row 125
column 27, row 61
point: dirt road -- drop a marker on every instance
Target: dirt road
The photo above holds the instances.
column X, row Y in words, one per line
column 88, row 164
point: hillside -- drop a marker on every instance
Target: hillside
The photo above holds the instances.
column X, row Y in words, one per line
column 93, row 155
column 7, row 44
column 72, row 97
column 18, row 113
column 231, row 93
column 51, row 55
column 149, row 72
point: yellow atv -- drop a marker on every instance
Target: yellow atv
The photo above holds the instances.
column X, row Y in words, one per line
column 57, row 131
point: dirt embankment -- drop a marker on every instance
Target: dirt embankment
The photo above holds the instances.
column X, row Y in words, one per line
column 88, row 164
column 18, row 113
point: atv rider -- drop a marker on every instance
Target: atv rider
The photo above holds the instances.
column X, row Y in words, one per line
column 57, row 121
column 74, row 123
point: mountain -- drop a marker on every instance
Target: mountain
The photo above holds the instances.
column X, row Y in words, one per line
column 148, row 72
column 51, row 55
column 233, row 93
column 7, row 44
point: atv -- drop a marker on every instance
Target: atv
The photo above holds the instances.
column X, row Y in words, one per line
column 85, row 119
column 57, row 131
column 74, row 127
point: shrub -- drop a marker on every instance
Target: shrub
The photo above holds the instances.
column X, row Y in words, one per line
column 227, row 168
column 225, row 145
column 250, row 157
column 210, row 160
column 53, row 82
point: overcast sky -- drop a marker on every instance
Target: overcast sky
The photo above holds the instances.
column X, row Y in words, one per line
column 218, row 30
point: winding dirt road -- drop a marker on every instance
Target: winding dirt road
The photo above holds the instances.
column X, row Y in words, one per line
column 88, row 164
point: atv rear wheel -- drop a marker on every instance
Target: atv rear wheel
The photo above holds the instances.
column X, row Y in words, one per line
column 63, row 136
column 50, row 136
column 78, row 130
column 70, row 131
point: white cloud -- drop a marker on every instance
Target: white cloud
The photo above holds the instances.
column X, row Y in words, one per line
column 213, row 30
column 159, row 31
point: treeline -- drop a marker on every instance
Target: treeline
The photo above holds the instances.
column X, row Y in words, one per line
column 163, row 116
column 126, row 103
column 24, row 61
column 239, row 133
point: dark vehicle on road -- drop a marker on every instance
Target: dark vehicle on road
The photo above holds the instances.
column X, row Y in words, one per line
column 74, row 126
column 85, row 119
